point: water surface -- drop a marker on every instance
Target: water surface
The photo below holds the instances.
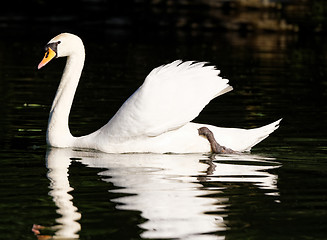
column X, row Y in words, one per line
column 276, row 192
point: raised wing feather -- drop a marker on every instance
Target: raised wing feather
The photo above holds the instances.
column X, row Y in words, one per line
column 171, row 96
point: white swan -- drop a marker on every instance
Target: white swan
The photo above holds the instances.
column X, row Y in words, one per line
column 156, row 118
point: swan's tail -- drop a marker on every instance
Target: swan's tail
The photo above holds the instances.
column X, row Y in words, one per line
column 259, row 134
column 242, row 140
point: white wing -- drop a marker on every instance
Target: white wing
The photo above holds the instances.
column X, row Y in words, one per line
column 171, row 96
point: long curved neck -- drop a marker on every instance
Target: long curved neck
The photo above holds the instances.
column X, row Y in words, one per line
column 58, row 133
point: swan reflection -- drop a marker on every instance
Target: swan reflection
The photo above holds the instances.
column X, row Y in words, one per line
column 169, row 190
column 58, row 162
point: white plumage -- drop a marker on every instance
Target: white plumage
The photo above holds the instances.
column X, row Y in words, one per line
column 157, row 117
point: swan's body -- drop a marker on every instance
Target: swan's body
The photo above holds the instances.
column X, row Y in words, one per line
column 156, row 118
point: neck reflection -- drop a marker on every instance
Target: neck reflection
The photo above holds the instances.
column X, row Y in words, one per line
column 58, row 161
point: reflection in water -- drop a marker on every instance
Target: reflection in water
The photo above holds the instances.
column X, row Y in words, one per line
column 168, row 190
column 58, row 163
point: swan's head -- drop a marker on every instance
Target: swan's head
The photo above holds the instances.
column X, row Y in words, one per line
column 62, row 45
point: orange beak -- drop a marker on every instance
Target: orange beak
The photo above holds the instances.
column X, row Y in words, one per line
column 50, row 54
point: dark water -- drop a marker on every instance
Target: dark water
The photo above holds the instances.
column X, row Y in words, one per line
column 276, row 192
